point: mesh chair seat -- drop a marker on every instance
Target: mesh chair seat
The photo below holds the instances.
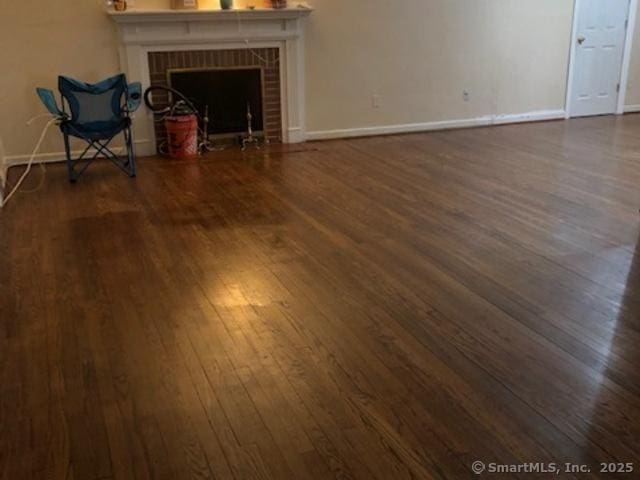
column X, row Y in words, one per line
column 102, row 131
column 95, row 113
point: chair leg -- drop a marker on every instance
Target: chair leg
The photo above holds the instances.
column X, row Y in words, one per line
column 131, row 153
column 67, row 148
column 128, row 164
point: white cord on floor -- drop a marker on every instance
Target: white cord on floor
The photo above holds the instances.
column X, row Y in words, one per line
column 4, row 201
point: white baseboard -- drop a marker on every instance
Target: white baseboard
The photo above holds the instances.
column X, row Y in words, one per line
column 631, row 108
column 53, row 157
column 537, row 116
column 295, row 135
column 441, row 125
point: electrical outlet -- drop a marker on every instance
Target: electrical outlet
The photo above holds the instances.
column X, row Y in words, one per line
column 376, row 101
column 466, row 96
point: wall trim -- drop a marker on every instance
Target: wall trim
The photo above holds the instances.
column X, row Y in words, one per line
column 53, row 157
column 626, row 56
column 484, row 120
column 572, row 59
column 631, row 108
column 298, row 134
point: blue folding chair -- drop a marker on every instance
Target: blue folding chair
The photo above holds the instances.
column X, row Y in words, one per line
column 95, row 113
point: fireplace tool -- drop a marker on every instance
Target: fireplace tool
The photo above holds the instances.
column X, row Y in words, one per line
column 181, row 106
column 250, row 139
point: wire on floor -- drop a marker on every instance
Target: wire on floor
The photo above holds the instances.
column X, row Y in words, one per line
column 30, row 163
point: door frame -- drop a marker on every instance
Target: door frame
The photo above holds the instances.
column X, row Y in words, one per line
column 626, row 56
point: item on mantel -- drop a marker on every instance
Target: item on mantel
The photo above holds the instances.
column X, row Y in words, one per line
column 184, row 4
column 119, row 5
column 279, row 4
column 226, row 4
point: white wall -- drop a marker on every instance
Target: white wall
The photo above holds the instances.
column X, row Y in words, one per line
column 418, row 55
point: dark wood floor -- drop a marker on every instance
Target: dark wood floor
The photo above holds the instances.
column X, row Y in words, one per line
column 381, row 308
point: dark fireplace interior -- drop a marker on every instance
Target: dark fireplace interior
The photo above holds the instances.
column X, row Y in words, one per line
column 227, row 92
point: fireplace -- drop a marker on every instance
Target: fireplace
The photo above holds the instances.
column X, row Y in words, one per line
column 153, row 42
column 228, row 94
column 225, row 80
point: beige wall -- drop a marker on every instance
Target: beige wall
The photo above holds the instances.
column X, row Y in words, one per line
column 38, row 40
column 418, row 55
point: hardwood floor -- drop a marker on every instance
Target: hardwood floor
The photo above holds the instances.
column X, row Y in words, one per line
column 380, row 308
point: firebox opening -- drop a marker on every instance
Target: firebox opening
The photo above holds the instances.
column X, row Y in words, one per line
column 227, row 92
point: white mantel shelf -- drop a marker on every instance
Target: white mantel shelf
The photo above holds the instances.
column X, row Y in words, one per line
column 142, row 32
column 165, row 15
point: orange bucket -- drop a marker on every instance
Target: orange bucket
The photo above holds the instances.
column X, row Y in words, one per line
column 182, row 136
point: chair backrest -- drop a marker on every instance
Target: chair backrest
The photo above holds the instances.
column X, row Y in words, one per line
column 94, row 106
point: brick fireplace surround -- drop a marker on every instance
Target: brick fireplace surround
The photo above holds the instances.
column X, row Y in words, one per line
column 266, row 58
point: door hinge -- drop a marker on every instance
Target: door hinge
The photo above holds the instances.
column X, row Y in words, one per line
column 626, row 24
column 618, row 88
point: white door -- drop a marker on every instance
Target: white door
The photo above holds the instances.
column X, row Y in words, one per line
column 600, row 35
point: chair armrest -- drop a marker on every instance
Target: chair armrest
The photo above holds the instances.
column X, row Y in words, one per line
column 49, row 101
column 134, row 96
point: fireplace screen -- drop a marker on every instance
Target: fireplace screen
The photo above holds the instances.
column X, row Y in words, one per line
column 228, row 92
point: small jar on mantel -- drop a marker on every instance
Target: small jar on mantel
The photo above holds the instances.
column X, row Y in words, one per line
column 278, row 3
column 119, row 5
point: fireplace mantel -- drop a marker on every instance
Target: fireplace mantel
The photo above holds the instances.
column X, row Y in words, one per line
column 164, row 15
column 144, row 31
